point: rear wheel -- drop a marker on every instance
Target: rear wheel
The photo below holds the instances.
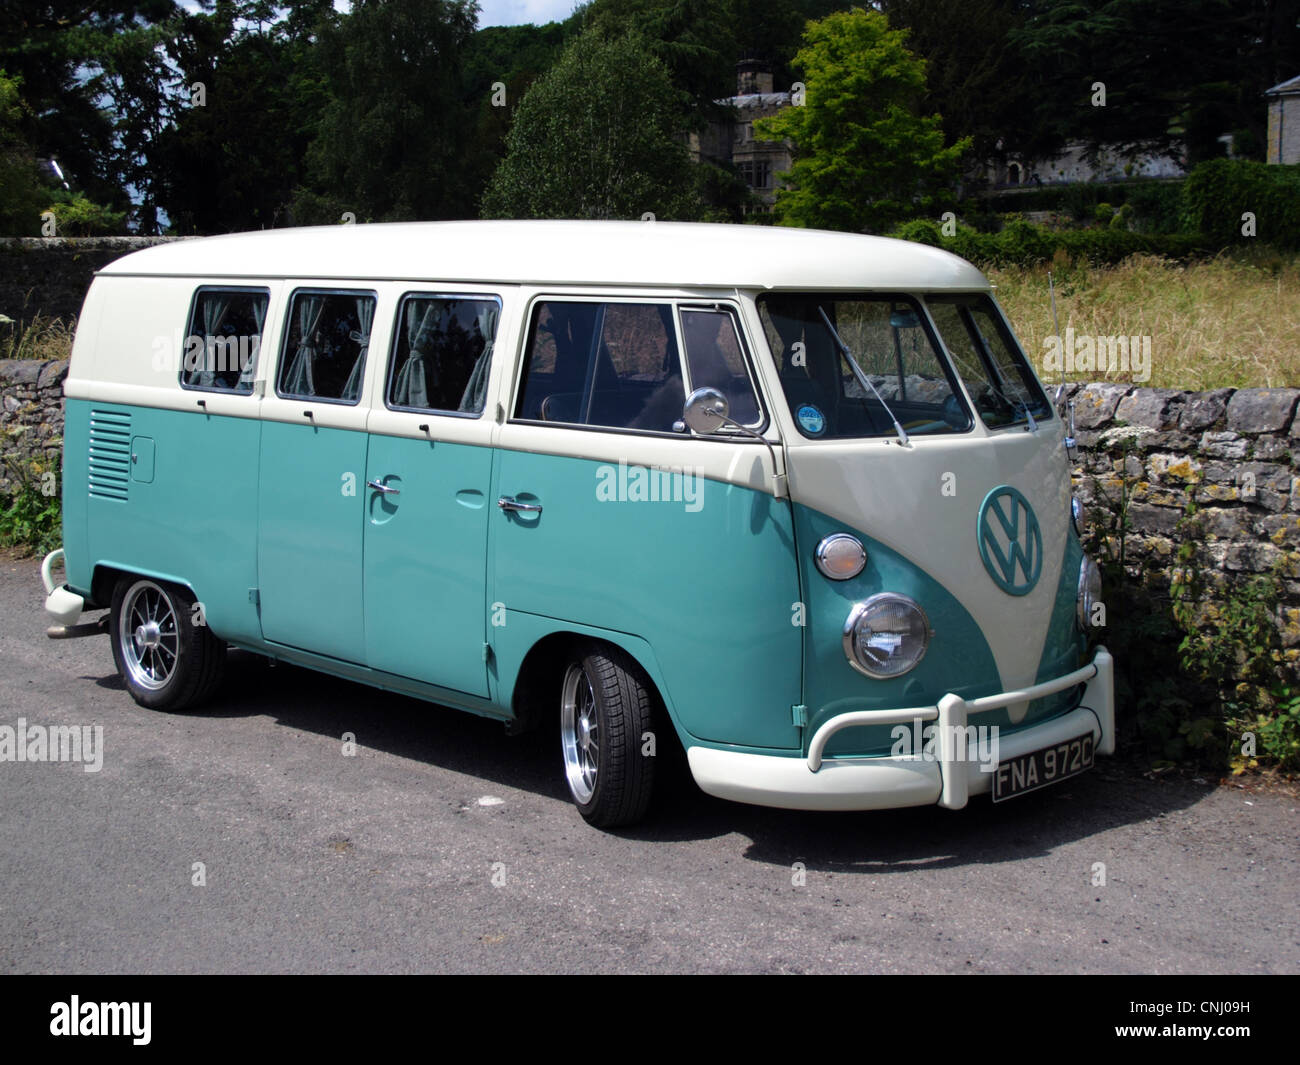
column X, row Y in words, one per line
column 606, row 709
column 167, row 661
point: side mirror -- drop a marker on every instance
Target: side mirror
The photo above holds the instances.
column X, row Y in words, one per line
column 706, row 411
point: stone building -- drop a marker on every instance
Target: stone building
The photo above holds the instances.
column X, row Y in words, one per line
column 1284, row 122
column 732, row 143
column 1075, row 163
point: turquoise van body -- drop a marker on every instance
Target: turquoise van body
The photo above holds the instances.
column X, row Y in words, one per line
column 392, row 544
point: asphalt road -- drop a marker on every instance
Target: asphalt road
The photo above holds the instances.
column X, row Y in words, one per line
column 444, row 845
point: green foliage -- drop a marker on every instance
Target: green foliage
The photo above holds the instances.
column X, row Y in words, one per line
column 1204, row 656
column 1216, row 194
column 76, row 216
column 1276, row 732
column 238, row 74
column 1206, row 74
column 30, row 519
column 1157, row 206
column 865, row 158
column 597, row 137
column 1022, row 243
column 392, row 134
column 694, row 39
column 22, row 191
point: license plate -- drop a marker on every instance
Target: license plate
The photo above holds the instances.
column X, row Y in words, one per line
column 1037, row 769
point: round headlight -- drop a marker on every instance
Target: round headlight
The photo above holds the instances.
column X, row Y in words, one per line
column 1076, row 515
column 886, row 636
column 841, row 556
column 1089, row 592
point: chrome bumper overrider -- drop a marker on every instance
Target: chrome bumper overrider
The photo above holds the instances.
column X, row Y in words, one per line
column 881, row 783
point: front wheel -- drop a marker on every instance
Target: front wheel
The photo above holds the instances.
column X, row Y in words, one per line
column 166, row 655
column 606, row 709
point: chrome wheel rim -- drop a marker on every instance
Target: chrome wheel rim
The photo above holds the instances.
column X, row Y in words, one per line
column 150, row 637
column 579, row 734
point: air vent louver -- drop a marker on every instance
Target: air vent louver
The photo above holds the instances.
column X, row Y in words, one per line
column 110, row 454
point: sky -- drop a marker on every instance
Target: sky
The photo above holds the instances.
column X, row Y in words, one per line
column 514, row 12
column 495, row 12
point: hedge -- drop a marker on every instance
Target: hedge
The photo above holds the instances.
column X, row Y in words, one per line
column 1218, row 193
column 1023, row 243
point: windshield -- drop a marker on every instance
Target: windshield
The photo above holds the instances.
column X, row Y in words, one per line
column 995, row 373
column 900, row 374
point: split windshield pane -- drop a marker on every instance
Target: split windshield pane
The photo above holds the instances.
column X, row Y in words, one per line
column 900, row 373
column 986, row 355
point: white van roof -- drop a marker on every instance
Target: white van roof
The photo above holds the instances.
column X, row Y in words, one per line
column 676, row 254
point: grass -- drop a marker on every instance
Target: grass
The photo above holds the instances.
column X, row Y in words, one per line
column 1225, row 322
column 37, row 337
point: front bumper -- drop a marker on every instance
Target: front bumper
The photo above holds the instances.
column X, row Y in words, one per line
column 949, row 778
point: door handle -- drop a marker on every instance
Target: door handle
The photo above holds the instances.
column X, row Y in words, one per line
column 383, row 488
column 508, row 503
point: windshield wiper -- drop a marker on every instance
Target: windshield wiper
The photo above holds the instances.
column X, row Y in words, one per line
column 863, row 380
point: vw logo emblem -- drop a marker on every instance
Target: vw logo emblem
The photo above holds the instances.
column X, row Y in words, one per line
column 1011, row 544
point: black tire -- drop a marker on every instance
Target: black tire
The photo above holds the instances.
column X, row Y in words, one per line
column 607, row 689
column 175, row 665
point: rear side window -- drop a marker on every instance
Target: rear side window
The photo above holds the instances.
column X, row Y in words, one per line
column 325, row 348
column 442, row 350
column 223, row 339
column 607, row 364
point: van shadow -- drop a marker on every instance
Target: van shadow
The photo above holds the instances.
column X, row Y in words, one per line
column 1114, row 794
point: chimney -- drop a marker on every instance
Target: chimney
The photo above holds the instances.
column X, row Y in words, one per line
column 753, row 76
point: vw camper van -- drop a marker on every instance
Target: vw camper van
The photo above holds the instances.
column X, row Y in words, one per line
column 794, row 500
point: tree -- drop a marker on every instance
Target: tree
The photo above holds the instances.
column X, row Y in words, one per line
column 976, row 77
column 23, row 194
column 249, row 103
column 1177, row 73
column 61, row 54
column 864, row 157
column 392, row 135
column 500, row 63
column 597, row 136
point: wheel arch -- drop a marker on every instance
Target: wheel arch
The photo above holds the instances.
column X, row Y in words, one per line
column 535, row 683
column 105, row 575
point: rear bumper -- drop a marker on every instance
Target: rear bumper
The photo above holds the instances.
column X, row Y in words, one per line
column 948, row 779
column 63, row 604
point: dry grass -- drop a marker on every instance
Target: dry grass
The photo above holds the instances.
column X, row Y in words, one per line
column 1221, row 323
column 38, row 338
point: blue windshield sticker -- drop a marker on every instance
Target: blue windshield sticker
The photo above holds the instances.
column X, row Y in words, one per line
column 811, row 420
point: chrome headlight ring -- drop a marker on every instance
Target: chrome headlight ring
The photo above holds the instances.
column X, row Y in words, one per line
column 886, row 636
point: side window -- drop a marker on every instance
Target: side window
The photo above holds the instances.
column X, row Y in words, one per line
column 715, row 359
column 325, row 347
column 442, row 350
column 223, row 339
column 609, row 364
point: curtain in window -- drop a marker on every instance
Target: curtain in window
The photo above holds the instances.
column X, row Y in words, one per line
column 365, row 318
column 411, row 388
column 259, row 318
column 215, row 306
column 298, row 380
column 476, row 389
